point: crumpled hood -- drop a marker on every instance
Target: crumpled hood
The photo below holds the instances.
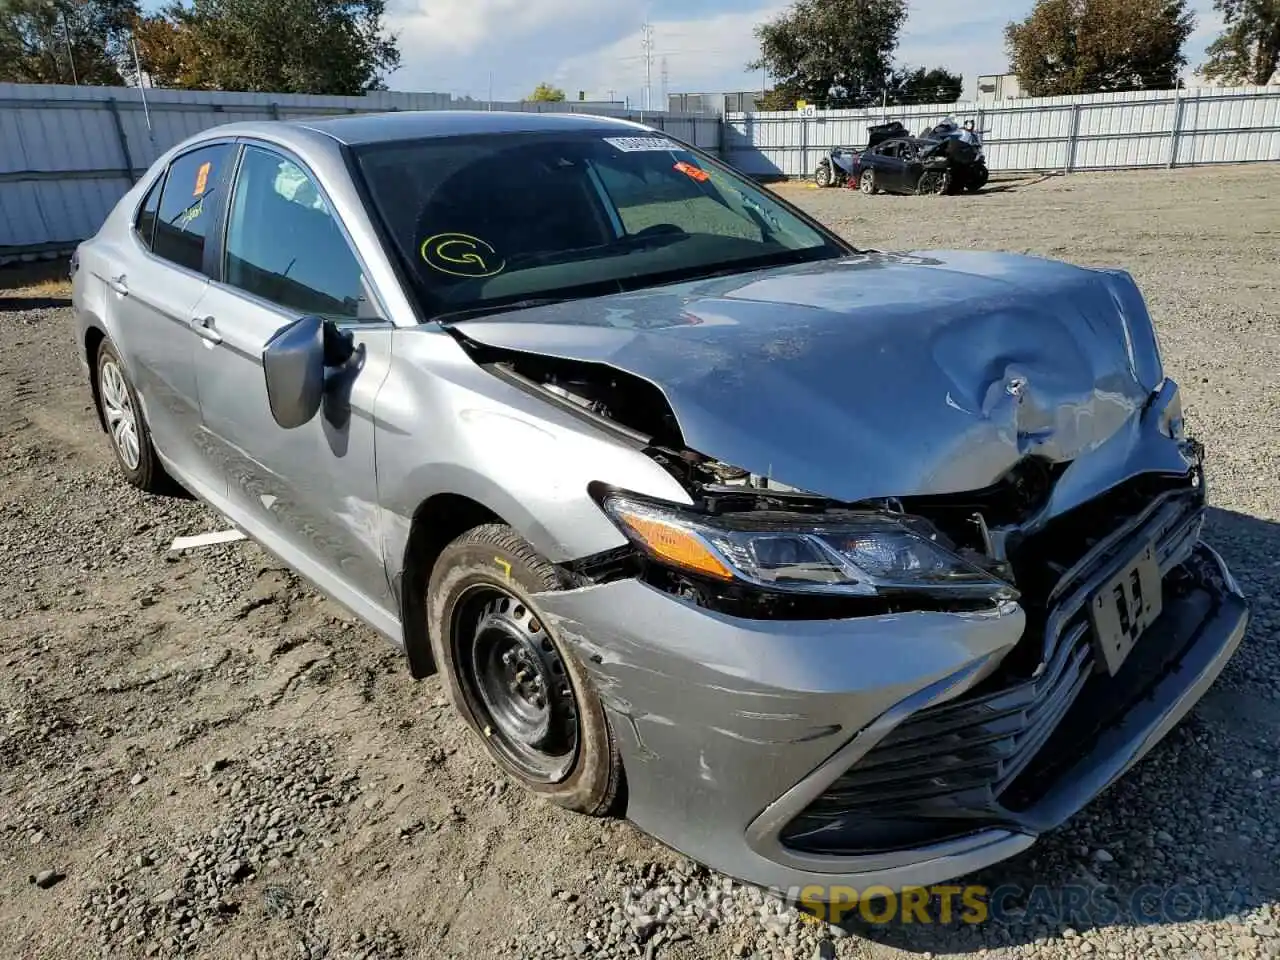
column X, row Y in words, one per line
column 878, row 374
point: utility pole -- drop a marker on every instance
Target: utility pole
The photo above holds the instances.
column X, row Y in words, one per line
column 71, row 57
column 666, row 79
column 142, row 85
column 647, row 44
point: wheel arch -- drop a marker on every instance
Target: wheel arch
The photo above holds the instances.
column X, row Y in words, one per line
column 94, row 335
column 437, row 522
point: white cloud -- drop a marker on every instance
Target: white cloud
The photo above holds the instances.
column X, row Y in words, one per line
column 460, row 46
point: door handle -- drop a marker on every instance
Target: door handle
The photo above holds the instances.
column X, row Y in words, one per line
column 118, row 285
column 205, row 329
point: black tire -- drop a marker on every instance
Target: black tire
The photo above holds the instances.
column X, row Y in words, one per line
column 113, row 389
column 822, row 176
column 867, row 182
column 934, row 183
column 494, row 561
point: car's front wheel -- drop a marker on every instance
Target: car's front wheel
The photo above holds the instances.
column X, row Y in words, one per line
column 867, row 182
column 515, row 682
column 122, row 414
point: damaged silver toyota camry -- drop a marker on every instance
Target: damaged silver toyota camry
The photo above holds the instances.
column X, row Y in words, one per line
column 824, row 566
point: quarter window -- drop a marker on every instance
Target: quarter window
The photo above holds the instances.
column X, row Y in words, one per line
column 188, row 205
column 284, row 245
column 145, row 223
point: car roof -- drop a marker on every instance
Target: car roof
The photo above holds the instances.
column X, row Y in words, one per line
column 356, row 129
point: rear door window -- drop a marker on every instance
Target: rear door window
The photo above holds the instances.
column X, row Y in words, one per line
column 188, row 204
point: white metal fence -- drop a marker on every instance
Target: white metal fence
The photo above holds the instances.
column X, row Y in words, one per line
column 67, row 154
column 1101, row 132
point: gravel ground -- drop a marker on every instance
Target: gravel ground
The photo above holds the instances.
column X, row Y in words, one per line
column 201, row 757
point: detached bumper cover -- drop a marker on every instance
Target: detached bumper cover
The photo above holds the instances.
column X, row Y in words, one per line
column 735, row 733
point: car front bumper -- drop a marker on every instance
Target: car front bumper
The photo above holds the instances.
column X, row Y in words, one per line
column 731, row 729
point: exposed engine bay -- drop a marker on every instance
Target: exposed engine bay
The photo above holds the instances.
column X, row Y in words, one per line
column 1000, row 529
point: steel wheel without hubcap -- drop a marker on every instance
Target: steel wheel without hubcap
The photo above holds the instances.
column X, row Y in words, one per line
column 122, row 421
column 514, row 677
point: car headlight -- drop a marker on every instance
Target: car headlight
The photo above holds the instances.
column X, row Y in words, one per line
column 856, row 554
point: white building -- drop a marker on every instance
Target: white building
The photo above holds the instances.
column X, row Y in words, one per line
column 997, row 86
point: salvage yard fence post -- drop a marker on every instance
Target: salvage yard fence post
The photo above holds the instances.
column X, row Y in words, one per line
column 1178, row 108
column 1073, row 142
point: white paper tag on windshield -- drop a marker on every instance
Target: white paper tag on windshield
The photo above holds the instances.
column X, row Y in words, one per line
column 639, row 144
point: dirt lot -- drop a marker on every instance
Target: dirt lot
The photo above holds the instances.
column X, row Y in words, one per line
column 215, row 762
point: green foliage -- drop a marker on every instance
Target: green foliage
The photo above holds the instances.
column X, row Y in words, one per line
column 330, row 47
column 546, row 93
column 831, row 50
column 61, row 41
column 1093, row 46
column 1248, row 51
column 938, row 85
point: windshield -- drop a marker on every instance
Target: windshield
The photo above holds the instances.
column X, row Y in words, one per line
column 512, row 219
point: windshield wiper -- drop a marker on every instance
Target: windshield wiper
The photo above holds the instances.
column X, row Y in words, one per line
column 470, row 313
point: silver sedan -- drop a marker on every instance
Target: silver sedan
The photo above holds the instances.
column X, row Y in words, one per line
column 823, row 565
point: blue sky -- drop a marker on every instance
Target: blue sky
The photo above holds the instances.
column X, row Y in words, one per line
column 595, row 45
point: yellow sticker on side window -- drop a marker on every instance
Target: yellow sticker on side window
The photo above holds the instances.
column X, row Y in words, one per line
column 202, row 178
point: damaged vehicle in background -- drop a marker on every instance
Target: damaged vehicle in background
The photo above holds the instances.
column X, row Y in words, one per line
column 823, row 565
column 895, row 162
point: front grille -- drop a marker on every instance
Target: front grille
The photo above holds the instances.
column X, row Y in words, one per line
column 949, row 764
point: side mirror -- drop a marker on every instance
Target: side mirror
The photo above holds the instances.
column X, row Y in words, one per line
column 293, row 362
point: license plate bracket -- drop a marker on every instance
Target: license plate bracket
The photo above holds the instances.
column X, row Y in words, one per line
column 1125, row 607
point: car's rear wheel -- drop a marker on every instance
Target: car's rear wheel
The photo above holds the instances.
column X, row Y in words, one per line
column 867, row 182
column 515, row 682
column 122, row 414
column 822, row 176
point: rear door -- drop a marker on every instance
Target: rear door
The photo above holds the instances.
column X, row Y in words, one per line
column 154, row 290
column 309, row 494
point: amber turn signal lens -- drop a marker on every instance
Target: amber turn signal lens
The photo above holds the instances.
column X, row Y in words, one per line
column 670, row 543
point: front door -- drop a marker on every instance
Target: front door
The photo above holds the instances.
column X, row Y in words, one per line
column 154, row 292
column 309, row 494
column 892, row 168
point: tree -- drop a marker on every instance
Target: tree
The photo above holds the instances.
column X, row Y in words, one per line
column 1092, row 46
column 939, row 85
column 64, row 41
column 546, row 93
column 1248, row 51
column 335, row 47
column 825, row 50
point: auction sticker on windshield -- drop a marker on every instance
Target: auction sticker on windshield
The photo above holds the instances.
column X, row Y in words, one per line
column 641, row 144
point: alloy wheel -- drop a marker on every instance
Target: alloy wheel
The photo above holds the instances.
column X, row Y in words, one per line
column 117, row 409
